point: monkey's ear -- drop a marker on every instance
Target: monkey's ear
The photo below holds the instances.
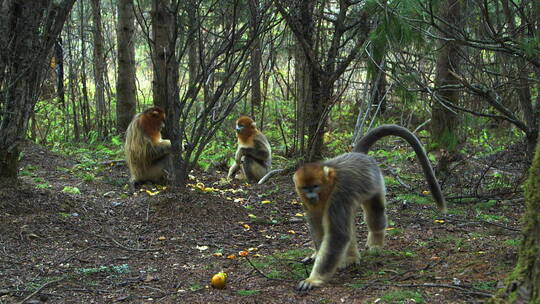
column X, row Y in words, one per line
column 155, row 113
column 329, row 173
column 253, row 124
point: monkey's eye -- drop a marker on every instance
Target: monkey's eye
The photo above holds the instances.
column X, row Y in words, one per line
column 311, row 189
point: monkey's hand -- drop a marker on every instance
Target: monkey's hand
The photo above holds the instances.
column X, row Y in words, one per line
column 261, row 154
column 160, row 150
column 308, row 284
column 234, row 168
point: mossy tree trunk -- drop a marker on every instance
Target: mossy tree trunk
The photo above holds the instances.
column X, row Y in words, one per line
column 524, row 282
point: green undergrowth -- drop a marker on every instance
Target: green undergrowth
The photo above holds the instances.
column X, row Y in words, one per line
column 283, row 265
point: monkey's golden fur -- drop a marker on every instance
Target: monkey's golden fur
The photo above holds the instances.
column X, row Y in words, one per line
column 147, row 154
column 331, row 192
column 253, row 155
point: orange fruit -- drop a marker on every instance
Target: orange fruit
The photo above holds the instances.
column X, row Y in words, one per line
column 219, row 280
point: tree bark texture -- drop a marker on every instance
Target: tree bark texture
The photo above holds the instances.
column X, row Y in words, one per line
column 256, row 56
column 99, row 69
column 126, row 94
column 445, row 123
column 165, row 83
column 524, row 284
column 28, row 31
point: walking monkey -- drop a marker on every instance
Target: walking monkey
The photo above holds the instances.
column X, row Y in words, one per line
column 331, row 192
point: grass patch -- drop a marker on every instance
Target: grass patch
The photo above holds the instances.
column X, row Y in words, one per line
column 486, row 205
column 285, row 265
column 124, row 268
column 402, row 296
column 72, row 190
column 512, row 242
column 248, row 292
column 492, row 217
column 414, row 198
column 394, row 231
column 487, row 285
column 195, row 287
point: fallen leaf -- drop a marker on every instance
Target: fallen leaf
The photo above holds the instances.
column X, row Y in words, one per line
column 243, row 253
column 152, row 193
column 149, row 278
column 201, row 248
column 439, row 221
column 161, row 238
column 299, row 214
column 266, row 202
column 231, row 257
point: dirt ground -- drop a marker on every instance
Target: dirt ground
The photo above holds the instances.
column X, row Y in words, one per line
column 103, row 244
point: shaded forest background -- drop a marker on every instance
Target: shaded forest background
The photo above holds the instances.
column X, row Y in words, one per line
column 314, row 75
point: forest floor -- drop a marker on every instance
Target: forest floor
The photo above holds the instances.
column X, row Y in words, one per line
column 72, row 233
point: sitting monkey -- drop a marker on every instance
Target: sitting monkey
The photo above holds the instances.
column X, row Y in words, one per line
column 147, row 154
column 254, row 155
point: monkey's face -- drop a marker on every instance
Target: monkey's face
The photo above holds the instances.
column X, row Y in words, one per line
column 157, row 115
column 243, row 124
column 314, row 182
column 311, row 192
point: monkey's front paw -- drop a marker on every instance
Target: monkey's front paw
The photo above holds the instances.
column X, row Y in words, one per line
column 308, row 284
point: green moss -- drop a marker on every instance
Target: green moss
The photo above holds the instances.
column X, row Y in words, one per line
column 529, row 251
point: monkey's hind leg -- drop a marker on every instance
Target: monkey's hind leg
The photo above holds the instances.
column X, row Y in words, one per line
column 375, row 218
column 353, row 255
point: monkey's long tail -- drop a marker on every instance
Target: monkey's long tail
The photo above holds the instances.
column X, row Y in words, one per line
column 269, row 175
column 365, row 143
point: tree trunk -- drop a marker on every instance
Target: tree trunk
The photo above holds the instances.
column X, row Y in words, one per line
column 524, row 284
column 160, row 37
column 193, row 42
column 99, row 69
column 165, row 84
column 73, row 87
column 255, row 66
column 304, row 72
column 28, row 31
column 85, row 102
column 445, row 123
column 126, row 94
